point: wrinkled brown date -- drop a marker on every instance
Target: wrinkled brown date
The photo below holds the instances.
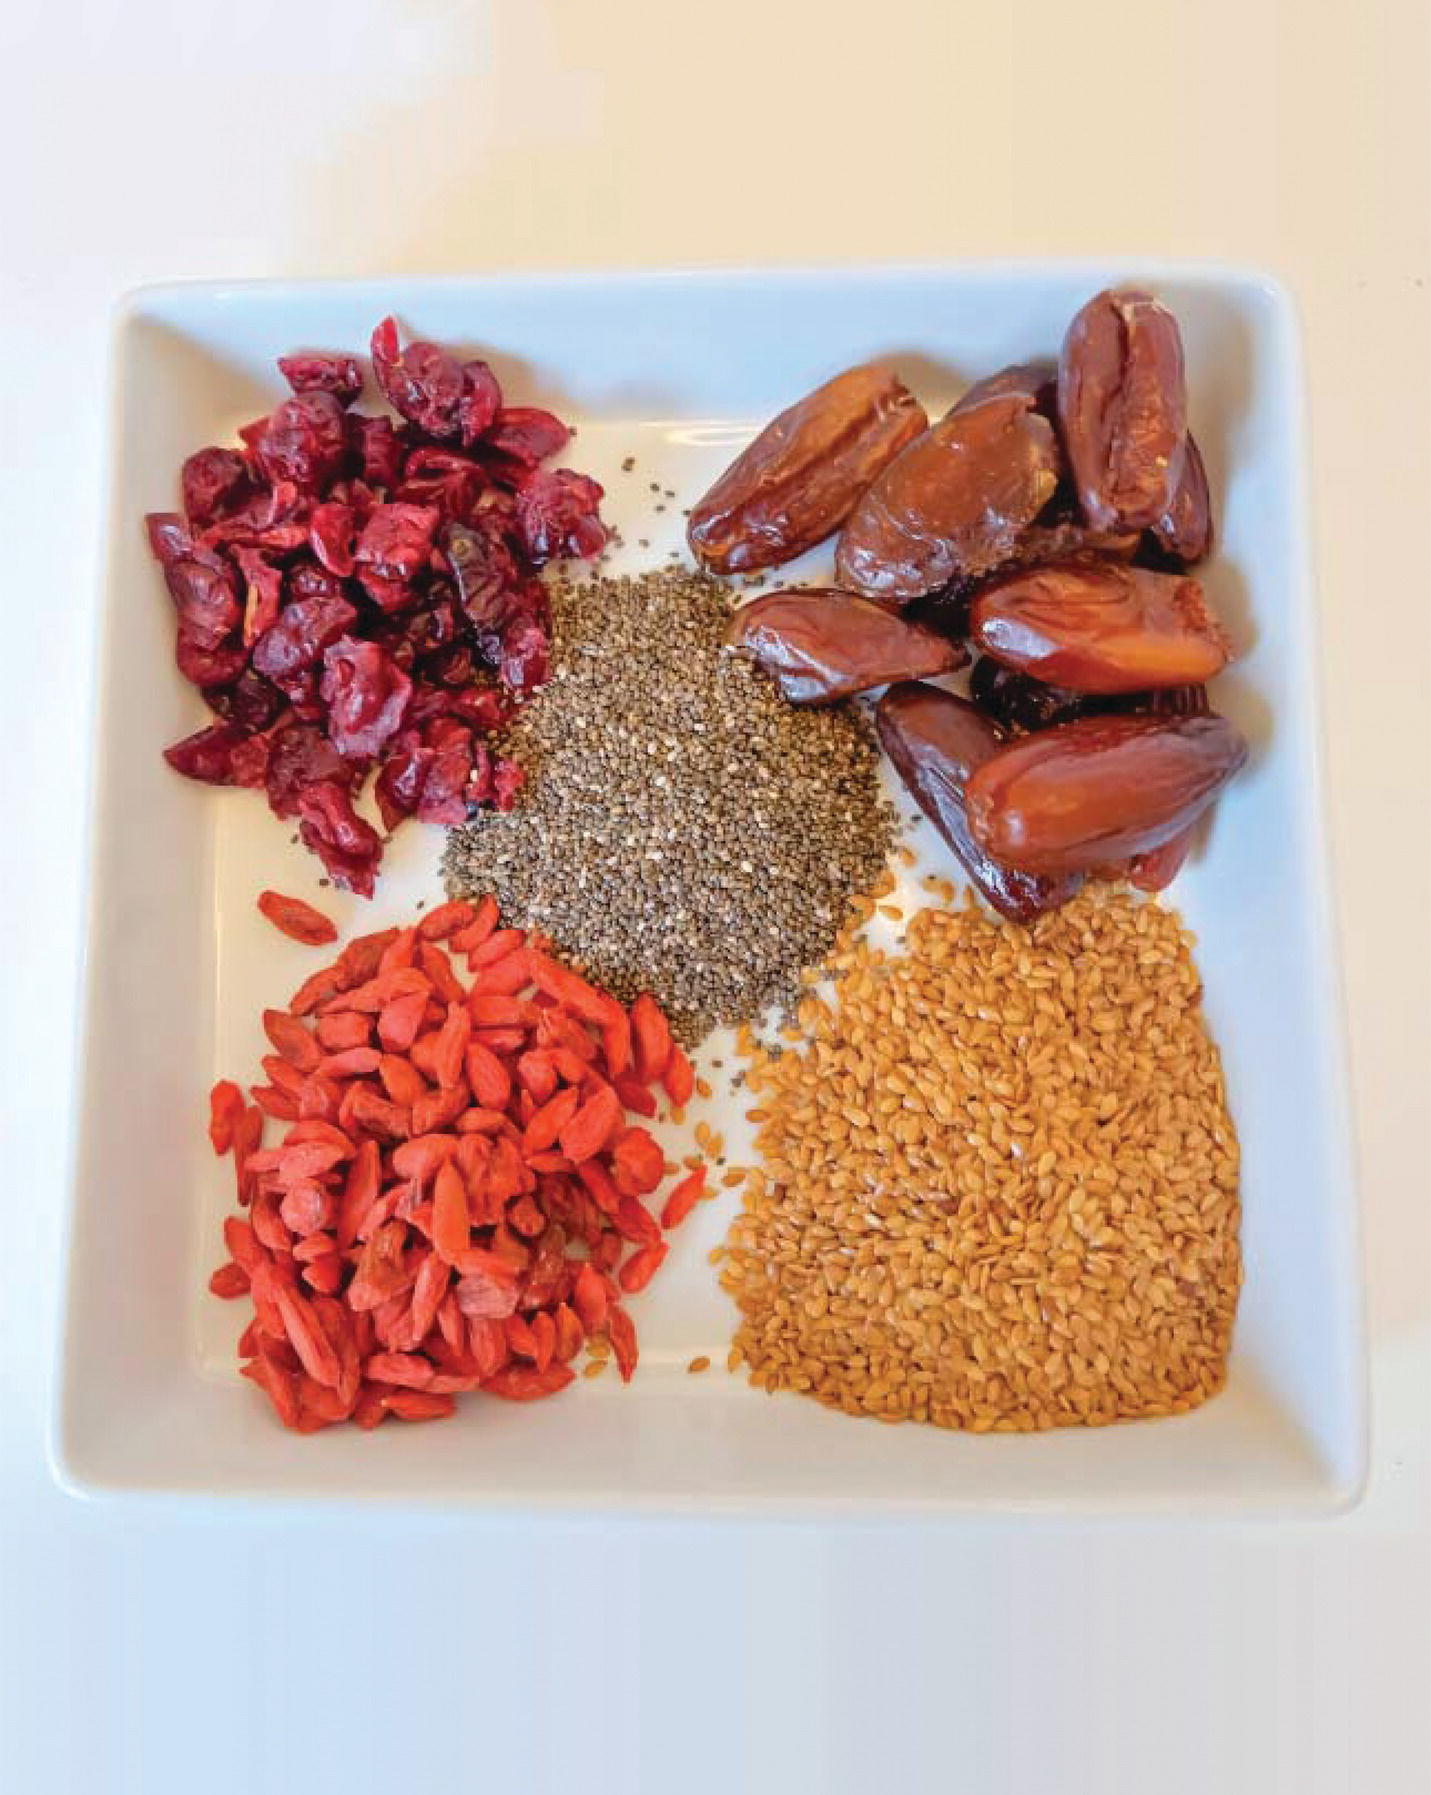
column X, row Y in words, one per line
column 956, row 501
column 797, row 481
column 1122, row 403
column 1185, row 531
column 1099, row 790
column 819, row 645
column 935, row 741
column 1100, row 627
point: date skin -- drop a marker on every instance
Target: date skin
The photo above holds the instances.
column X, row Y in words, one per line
column 957, row 501
column 935, row 741
column 796, row 483
column 1099, row 790
column 1101, row 628
column 819, row 645
column 1122, row 405
column 1185, row 532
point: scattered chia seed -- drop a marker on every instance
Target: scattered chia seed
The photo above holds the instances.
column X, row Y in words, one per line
column 628, row 464
column 683, row 829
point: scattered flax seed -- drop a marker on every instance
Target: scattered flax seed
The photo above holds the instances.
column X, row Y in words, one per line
column 892, row 911
column 736, row 1175
column 700, row 1363
column 628, row 464
column 683, row 830
column 999, row 1184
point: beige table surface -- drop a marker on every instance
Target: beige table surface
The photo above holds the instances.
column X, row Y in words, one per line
column 152, row 138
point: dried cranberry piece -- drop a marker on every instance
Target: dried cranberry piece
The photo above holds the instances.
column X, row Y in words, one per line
column 481, row 400
column 349, row 848
column 214, row 482
column 272, row 519
column 525, row 657
column 264, row 583
column 399, row 780
column 485, row 708
column 316, row 372
column 207, row 754
column 309, row 580
column 301, row 755
column 452, row 760
column 422, row 383
column 205, row 665
column 527, row 434
column 379, row 448
column 367, row 695
column 507, row 780
column 251, row 702
column 397, row 541
column 388, row 595
column 485, row 571
column 455, row 666
column 250, row 761
column 305, row 441
column 307, row 627
column 558, row 514
column 206, row 600
column 331, row 530
column 169, row 538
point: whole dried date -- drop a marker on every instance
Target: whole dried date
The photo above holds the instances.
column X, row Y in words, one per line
column 1101, row 628
column 819, row 645
column 1098, row 790
column 956, row 501
column 935, row 741
column 797, row 481
column 1184, row 531
column 1122, row 403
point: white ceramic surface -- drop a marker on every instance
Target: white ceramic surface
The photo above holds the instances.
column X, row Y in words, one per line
column 675, row 370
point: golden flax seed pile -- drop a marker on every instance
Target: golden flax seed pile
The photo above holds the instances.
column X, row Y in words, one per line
column 999, row 1181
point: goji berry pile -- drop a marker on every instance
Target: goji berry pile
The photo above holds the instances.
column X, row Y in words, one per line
column 456, row 1203
column 355, row 594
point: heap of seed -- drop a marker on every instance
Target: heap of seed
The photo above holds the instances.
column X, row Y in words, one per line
column 999, row 1188
column 683, row 830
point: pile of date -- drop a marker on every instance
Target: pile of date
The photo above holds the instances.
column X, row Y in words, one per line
column 1044, row 528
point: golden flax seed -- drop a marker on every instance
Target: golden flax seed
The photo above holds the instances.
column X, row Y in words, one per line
column 999, row 1182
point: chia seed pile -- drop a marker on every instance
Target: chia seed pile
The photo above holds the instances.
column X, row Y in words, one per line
column 684, row 831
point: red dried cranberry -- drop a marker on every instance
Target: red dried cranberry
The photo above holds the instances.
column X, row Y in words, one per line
column 367, row 695
column 349, row 848
column 397, row 541
column 169, row 538
column 422, row 383
column 388, row 595
column 485, row 571
column 525, row 657
column 527, row 434
column 305, row 441
column 272, row 519
column 214, row 483
column 307, row 627
column 379, row 448
column 507, row 780
column 330, row 532
column 339, row 375
column 300, row 756
column 558, row 514
column 203, row 664
column 456, row 666
column 309, row 580
column 400, row 777
column 207, row 754
column 485, row 708
column 250, row 761
column 481, row 401
column 452, row 757
column 251, row 701
column 206, row 600
column 264, row 597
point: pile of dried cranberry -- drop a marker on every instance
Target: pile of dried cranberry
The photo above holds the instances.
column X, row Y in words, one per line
column 356, row 593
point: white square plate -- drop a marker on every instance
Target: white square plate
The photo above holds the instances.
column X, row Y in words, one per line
column 676, row 370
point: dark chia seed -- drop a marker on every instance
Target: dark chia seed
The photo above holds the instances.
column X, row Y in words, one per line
column 683, row 830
